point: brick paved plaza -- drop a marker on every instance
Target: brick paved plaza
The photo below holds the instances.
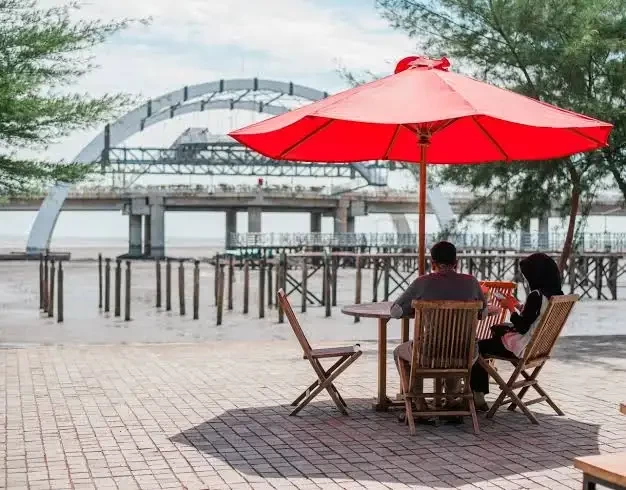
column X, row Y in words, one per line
column 214, row 415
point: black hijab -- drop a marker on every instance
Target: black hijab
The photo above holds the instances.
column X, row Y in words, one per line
column 542, row 273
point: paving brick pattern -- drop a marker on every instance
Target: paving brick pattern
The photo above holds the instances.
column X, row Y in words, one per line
column 214, row 416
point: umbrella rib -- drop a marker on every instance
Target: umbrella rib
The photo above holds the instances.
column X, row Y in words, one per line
column 305, row 138
column 391, row 142
column 590, row 138
column 491, row 138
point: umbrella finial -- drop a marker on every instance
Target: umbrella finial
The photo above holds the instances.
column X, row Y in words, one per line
column 422, row 62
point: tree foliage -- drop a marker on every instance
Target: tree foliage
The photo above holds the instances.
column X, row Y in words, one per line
column 571, row 53
column 42, row 52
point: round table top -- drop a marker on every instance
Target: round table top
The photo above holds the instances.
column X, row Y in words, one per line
column 369, row 310
column 383, row 310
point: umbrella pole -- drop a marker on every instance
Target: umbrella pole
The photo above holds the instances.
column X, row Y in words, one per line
column 421, row 243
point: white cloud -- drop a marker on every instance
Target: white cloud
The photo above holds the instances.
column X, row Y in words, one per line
column 193, row 41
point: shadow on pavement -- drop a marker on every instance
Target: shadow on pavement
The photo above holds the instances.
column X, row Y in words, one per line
column 369, row 446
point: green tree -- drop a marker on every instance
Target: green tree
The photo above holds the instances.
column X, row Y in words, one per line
column 570, row 53
column 42, row 52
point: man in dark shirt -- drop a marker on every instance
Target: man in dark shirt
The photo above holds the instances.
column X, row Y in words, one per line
column 444, row 283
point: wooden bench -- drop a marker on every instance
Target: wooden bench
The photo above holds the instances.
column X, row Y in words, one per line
column 607, row 470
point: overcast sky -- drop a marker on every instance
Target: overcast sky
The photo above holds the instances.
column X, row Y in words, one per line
column 194, row 41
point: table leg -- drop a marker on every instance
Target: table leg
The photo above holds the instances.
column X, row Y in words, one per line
column 383, row 402
column 404, row 334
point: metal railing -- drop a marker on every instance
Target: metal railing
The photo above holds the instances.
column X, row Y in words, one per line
column 506, row 241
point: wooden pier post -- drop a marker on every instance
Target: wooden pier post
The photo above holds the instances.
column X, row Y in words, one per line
column 246, row 286
column 262, row 288
column 375, row 281
column 335, row 268
column 220, row 294
column 60, row 315
column 281, row 275
column 118, row 287
column 216, row 279
column 231, row 280
column 46, row 284
column 326, row 286
column 181, row 288
column 386, row 278
column 305, row 279
column 100, row 281
column 270, row 290
column 196, row 289
column 127, row 293
column 158, row 282
column 168, row 285
column 357, row 288
column 107, row 285
column 51, row 291
column 41, row 286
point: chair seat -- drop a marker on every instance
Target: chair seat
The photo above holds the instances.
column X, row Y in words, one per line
column 607, row 467
column 334, row 352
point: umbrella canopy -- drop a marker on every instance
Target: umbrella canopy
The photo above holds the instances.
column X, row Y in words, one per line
column 424, row 113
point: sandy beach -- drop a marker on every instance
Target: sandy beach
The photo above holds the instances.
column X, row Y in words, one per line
column 22, row 323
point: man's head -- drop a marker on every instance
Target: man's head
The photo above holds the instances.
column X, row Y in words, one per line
column 443, row 255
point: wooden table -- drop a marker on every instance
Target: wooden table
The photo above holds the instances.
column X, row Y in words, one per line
column 607, row 470
column 622, row 408
column 382, row 312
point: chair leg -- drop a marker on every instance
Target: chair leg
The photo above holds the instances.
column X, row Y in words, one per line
column 472, row 408
column 525, row 389
column 327, row 373
column 548, row 399
column 304, row 393
column 408, row 400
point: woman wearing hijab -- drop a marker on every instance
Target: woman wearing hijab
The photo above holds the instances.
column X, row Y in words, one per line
column 510, row 339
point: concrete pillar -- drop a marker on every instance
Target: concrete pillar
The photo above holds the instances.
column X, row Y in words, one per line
column 544, row 233
column 254, row 220
column 340, row 220
column 231, row 226
column 350, row 224
column 316, row 222
column 134, row 235
column 147, row 236
column 157, row 226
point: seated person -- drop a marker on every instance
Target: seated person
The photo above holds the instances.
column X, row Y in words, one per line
column 510, row 339
column 444, row 283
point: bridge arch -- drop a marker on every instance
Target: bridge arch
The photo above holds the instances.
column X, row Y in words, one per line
column 255, row 94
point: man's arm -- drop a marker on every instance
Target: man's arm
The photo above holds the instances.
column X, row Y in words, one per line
column 402, row 306
column 481, row 297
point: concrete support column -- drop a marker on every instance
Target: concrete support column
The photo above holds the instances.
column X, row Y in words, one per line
column 544, row 233
column 231, row 226
column 147, row 236
column 316, row 222
column 134, row 235
column 157, row 226
column 254, row 220
column 350, row 224
column 341, row 220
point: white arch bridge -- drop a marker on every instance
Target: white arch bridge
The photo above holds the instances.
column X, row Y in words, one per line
column 217, row 157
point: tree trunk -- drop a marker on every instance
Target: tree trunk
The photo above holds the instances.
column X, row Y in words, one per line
column 569, row 238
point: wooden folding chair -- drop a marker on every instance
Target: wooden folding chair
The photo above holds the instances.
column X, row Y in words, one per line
column 325, row 377
column 535, row 356
column 505, row 288
column 443, row 346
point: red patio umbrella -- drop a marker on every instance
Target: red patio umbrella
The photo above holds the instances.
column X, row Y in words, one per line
column 424, row 113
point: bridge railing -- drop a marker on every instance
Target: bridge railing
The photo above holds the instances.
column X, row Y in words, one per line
column 506, row 241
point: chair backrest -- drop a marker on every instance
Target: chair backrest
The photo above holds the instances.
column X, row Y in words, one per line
column 550, row 327
column 505, row 288
column 293, row 321
column 444, row 335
